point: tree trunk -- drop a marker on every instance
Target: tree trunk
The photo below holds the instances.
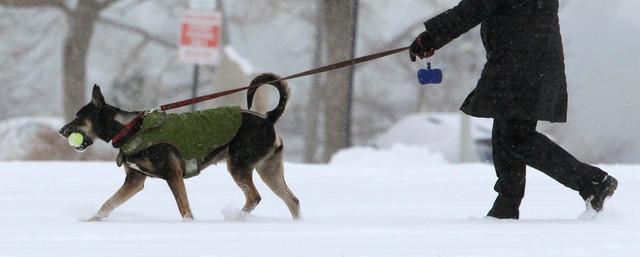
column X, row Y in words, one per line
column 340, row 21
column 76, row 47
column 311, row 139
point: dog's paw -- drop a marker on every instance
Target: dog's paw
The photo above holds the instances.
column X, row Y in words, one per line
column 94, row 219
column 231, row 214
column 187, row 219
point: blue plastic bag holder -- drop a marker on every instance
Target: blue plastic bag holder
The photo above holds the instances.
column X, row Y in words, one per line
column 429, row 76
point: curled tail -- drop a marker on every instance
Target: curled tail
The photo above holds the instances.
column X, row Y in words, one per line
column 283, row 90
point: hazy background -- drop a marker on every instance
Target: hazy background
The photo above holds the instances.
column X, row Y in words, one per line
column 132, row 54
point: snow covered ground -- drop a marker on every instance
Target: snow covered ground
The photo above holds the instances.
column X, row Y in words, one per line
column 349, row 210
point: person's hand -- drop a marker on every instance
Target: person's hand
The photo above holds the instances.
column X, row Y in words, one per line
column 421, row 47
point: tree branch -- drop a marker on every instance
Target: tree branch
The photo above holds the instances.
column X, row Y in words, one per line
column 145, row 34
column 33, row 3
column 106, row 3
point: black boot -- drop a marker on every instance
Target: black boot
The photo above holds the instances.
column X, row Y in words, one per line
column 595, row 195
column 505, row 208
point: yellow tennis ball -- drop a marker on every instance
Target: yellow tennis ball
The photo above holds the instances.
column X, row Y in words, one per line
column 75, row 139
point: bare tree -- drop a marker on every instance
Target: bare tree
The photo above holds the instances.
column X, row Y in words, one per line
column 314, row 107
column 340, row 21
column 19, row 82
column 81, row 19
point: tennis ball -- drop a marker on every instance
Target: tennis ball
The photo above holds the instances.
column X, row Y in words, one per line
column 75, row 139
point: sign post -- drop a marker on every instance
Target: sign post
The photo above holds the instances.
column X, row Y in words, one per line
column 200, row 39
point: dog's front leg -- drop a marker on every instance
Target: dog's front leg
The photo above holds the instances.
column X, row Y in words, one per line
column 133, row 183
column 180, row 193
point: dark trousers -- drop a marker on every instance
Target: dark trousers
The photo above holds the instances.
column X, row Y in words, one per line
column 516, row 144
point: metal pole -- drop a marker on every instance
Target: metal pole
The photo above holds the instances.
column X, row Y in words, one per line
column 194, row 91
column 354, row 35
column 466, row 140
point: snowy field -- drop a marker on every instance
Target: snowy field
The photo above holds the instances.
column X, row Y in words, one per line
column 352, row 210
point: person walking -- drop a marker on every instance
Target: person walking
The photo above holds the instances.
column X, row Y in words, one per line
column 523, row 82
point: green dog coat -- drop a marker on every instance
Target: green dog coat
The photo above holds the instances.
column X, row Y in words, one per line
column 193, row 134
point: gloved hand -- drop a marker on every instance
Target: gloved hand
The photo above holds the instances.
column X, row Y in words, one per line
column 421, row 47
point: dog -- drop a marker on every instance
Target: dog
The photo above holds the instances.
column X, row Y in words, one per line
column 253, row 145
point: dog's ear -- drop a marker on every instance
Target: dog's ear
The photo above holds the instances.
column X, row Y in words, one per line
column 96, row 97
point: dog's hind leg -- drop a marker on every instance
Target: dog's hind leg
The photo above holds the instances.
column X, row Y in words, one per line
column 243, row 176
column 133, row 183
column 271, row 171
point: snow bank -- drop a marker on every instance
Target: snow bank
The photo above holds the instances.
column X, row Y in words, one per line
column 396, row 155
column 439, row 132
column 17, row 135
column 36, row 138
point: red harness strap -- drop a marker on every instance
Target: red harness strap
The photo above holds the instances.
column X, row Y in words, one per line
column 132, row 126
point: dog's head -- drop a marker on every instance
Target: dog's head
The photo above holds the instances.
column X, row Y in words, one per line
column 91, row 121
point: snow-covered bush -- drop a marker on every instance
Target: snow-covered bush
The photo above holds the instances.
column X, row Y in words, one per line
column 36, row 138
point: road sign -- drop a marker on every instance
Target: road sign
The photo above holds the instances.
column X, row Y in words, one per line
column 200, row 37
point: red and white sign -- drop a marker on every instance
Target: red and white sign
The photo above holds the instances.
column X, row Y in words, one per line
column 200, row 37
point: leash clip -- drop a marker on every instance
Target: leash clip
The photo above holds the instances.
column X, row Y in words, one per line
column 157, row 109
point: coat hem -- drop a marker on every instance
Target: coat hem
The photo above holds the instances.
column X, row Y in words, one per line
column 493, row 116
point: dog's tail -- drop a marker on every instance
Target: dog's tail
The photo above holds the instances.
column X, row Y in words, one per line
column 283, row 89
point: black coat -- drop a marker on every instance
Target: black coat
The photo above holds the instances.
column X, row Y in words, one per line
column 524, row 75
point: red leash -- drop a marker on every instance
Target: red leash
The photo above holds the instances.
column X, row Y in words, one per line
column 133, row 125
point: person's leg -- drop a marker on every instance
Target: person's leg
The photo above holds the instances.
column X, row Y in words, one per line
column 539, row 152
column 510, row 170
